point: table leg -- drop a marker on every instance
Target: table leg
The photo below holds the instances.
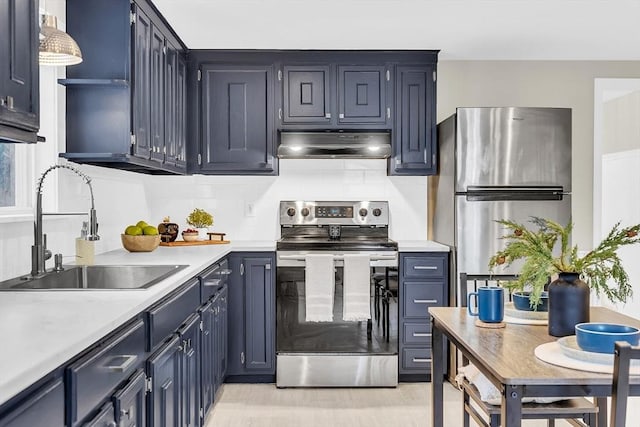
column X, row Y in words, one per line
column 437, row 377
column 511, row 410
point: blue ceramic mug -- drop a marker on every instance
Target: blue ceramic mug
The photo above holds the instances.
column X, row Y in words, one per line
column 489, row 304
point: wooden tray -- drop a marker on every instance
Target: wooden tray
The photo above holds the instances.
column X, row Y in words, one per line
column 195, row 243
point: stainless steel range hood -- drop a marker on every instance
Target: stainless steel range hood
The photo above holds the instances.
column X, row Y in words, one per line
column 334, row 145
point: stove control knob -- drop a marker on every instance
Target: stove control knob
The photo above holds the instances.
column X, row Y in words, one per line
column 377, row 212
column 305, row 211
column 363, row 212
column 291, row 211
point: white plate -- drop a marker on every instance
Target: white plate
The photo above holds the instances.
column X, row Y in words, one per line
column 569, row 346
column 511, row 311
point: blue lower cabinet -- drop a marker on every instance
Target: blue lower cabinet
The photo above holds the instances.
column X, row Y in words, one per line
column 251, row 318
column 43, row 408
column 130, row 402
column 163, row 368
column 190, row 371
column 104, row 418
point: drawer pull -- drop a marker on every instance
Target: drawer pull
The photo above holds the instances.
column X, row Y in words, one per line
column 126, row 360
column 212, row 283
column 425, row 267
column 421, row 334
column 420, row 360
column 425, row 301
column 226, row 272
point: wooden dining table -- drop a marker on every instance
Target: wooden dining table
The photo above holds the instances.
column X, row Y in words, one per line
column 506, row 357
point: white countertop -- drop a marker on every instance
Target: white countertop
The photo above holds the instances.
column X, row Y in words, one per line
column 421, row 246
column 45, row 329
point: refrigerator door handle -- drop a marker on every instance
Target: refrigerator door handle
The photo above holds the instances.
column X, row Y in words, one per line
column 489, row 196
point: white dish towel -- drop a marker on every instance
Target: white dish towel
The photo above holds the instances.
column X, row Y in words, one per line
column 356, row 298
column 319, row 287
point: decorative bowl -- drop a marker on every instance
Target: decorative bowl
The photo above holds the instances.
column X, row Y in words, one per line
column 190, row 236
column 601, row 337
column 521, row 301
column 140, row 243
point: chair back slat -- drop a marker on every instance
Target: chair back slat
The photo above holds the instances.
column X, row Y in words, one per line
column 623, row 354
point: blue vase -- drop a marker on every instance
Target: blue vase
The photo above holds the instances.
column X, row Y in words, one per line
column 568, row 304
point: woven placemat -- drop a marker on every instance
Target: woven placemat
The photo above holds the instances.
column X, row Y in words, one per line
column 481, row 324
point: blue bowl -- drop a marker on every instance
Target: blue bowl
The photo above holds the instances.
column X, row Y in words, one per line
column 521, row 301
column 601, row 337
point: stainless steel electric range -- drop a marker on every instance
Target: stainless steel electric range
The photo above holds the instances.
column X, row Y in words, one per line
column 336, row 353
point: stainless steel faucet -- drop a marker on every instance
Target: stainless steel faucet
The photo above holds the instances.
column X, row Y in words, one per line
column 39, row 251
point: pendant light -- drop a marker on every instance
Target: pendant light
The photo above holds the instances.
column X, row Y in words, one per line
column 57, row 47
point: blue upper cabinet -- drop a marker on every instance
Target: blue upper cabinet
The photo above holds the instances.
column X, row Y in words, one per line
column 414, row 134
column 19, row 74
column 334, row 95
column 125, row 97
column 237, row 133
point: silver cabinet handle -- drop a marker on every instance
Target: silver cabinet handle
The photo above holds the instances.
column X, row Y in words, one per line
column 424, row 267
column 226, row 272
column 213, row 282
column 327, row 115
column 129, row 359
column 421, row 334
column 425, row 301
column 341, row 115
column 420, row 360
column 242, row 357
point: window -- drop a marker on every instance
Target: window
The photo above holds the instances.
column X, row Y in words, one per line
column 16, row 178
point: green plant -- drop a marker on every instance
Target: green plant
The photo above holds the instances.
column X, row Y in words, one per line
column 200, row 218
column 536, row 247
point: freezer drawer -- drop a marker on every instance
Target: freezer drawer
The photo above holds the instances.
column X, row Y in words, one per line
column 513, row 147
column 479, row 236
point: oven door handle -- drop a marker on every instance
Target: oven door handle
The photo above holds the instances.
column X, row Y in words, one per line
column 339, row 257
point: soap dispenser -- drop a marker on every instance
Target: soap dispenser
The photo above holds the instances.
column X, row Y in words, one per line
column 85, row 248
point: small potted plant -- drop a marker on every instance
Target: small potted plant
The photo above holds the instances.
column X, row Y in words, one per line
column 201, row 220
column 601, row 268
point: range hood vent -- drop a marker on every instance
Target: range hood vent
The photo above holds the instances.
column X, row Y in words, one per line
column 335, row 145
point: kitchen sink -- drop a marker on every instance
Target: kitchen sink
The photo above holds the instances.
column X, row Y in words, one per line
column 98, row 277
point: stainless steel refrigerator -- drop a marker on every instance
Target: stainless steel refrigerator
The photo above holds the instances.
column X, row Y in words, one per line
column 497, row 163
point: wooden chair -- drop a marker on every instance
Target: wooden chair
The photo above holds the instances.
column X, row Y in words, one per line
column 623, row 354
column 578, row 411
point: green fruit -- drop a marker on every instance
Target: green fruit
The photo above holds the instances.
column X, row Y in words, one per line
column 133, row 230
column 150, row 230
column 141, row 224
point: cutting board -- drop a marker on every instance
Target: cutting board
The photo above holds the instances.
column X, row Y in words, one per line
column 195, row 243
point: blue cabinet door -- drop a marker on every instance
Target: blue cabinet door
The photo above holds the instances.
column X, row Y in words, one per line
column 156, row 83
column 217, row 349
column 237, row 119
column 415, row 126
column 190, row 371
column 142, row 85
column 259, row 314
column 307, row 94
column 44, row 408
column 104, row 418
column 251, row 315
column 223, row 343
column 362, row 94
column 19, row 74
column 130, row 402
column 164, row 369
column 206, row 356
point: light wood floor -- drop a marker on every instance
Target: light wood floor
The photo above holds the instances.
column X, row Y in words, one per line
column 265, row 405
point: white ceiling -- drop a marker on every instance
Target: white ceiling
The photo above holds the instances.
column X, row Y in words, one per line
column 460, row 29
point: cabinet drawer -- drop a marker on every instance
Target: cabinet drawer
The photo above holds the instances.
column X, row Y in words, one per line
column 419, row 296
column 96, row 375
column 423, row 266
column 417, row 334
column 167, row 316
column 417, row 358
